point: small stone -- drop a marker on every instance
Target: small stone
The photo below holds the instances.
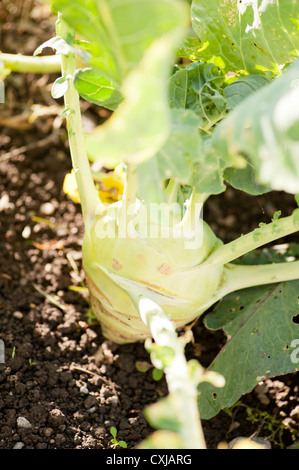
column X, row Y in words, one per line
column 5, row 203
column 18, row 315
column 26, row 232
column 84, row 389
column 59, row 439
column 23, row 281
column 89, row 402
column 56, row 417
column 92, row 409
column 48, row 432
column 41, row 445
column 114, row 401
column 23, row 423
column 133, row 437
column 47, row 208
column 18, row 445
column 99, row 432
column 79, row 416
column 48, row 267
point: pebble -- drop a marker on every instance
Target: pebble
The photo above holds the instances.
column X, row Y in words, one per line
column 47, row 208
column 26, row 232
column 18, row 315
column 89, row 402
column 5, row 203
column 84, row 390
column 114, row 401
column 56, row 417
column 59, row 439
column 23, row 423
column 23, row 281
column 18, row 445
column 48, row 267
column 48, row 432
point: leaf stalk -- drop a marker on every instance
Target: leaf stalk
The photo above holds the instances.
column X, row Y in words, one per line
column 29, row 64
column 90, row 202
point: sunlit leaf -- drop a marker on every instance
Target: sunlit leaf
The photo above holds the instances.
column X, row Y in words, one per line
column 265, row 128
column 251, row 40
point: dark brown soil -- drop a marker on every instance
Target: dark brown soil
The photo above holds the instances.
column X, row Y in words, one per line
column 60, row 375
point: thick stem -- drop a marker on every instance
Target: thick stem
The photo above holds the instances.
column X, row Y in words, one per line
column 180, row 385
column 236, row 277
column 172, row 191
column 89, row 198
column 240, row 277
column 255, row 239
column 130, row 190
column 194, row 209
column 23, row 63
column 128, row 201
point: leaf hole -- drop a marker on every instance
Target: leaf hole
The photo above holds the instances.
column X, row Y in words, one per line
column 241, row 307
column 295, row 319
column 214, row 395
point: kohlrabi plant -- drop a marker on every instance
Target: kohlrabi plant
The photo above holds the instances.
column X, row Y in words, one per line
column 200, row 96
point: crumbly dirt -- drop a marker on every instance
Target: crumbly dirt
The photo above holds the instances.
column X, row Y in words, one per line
column 62, row 384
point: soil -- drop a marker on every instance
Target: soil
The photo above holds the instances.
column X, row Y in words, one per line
column 63, row 385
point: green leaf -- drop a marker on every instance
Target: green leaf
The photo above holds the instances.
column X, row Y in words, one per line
column 157, row 374
column 238, row 90
column 250, row 40
column 190, row 49
column 59, row 87
column 120, row 32
column 260, row 325
column 245, row 179
column 199, row 87
column 147, row 172
column 122, row 444
column 208, row 172
column 97, row 89
column 182, row 148
column 56, row 43
column 265, row 129
column 113, row 431
column 63, row 47
column 141, row 124
column 185, row 157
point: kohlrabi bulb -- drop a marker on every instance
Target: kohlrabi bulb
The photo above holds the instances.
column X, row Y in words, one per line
column 121, row 259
